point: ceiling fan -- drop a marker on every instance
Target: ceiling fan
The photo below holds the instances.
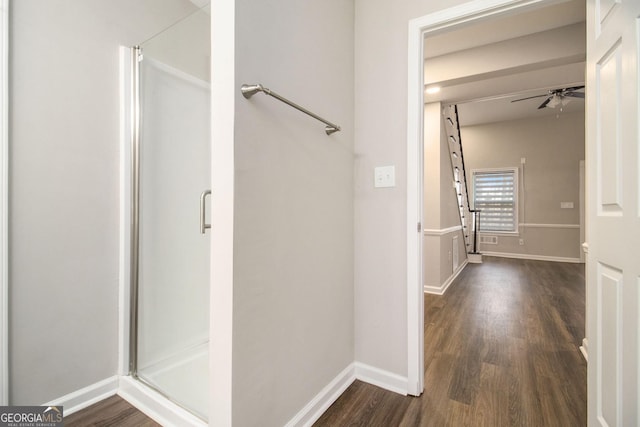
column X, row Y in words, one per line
column 557, row 97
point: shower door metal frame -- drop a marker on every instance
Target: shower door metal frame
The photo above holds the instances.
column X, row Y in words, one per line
column 136, row 56
column 4, row 204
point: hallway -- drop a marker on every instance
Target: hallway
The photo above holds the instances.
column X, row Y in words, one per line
column 501, row 349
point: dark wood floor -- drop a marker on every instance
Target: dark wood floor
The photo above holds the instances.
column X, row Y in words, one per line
column 501, row 349
column 113, row 411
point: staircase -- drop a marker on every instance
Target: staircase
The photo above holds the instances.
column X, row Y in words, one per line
column 469, row 218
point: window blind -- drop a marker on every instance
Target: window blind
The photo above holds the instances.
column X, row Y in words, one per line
column 495, row 194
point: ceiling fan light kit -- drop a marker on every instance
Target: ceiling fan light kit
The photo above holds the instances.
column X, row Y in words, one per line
column 558, row 100
column 557, row 97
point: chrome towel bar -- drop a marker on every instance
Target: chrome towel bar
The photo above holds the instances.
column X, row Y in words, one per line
column 249, row 90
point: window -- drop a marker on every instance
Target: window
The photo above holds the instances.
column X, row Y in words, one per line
column 495, row 193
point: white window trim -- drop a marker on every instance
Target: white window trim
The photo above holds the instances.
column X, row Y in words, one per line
column 516, row 182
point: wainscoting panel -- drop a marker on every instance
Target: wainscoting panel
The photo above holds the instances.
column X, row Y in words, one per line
column 609, row 301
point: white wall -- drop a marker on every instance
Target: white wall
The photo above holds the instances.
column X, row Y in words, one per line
column 380, row 216
column 64, row 130
column 553, row 147
column 293, row 244
column 432, row 189
column 432, row 164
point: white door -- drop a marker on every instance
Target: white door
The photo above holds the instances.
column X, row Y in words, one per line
column 613, row 234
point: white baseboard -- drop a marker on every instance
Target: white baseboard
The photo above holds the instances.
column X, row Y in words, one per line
column 168, row 413
column 474, row 258
column 532, row 257
column 87, row 396
column 321, row 402
column 440, row 290
column 355, row 371
column 156, row 406
column 383, row 379
column 584, row 349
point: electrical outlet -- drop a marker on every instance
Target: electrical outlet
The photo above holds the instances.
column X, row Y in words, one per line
column 521, row 242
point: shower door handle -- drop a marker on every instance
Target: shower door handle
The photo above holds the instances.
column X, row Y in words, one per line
column 203, row 209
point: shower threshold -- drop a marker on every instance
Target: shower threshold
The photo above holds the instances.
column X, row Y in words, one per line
column 164, row 388
column 155, row 405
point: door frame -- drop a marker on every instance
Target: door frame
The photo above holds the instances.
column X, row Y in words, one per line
column 583, row 210
column 443, row 20
column 4, row 203
column 224, row 92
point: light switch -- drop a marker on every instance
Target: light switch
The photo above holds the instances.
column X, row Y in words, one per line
column 566, row 205
column 385, row 176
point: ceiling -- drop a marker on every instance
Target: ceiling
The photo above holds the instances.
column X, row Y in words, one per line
column 487, row 97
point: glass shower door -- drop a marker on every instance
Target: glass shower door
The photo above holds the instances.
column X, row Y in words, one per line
column 174, row 175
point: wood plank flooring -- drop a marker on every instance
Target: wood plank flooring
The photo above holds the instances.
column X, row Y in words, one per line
column 113, row 411
column 501, row 349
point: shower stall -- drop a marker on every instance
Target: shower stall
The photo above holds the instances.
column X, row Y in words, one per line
column 167, row 187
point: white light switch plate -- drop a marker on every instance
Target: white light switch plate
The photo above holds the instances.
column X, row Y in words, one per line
column 566, row 205
column 385, row 176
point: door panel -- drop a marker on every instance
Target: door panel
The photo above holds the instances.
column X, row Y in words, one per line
column 613, row 220
column 173, row 328
column 174, row 172
column 604, row 9
column 608, row 143
column 608, row 360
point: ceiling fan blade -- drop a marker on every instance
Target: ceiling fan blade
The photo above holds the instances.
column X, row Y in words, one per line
column 544, row 104
column 571, row 89
column 530, row 97
column 574, row 94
